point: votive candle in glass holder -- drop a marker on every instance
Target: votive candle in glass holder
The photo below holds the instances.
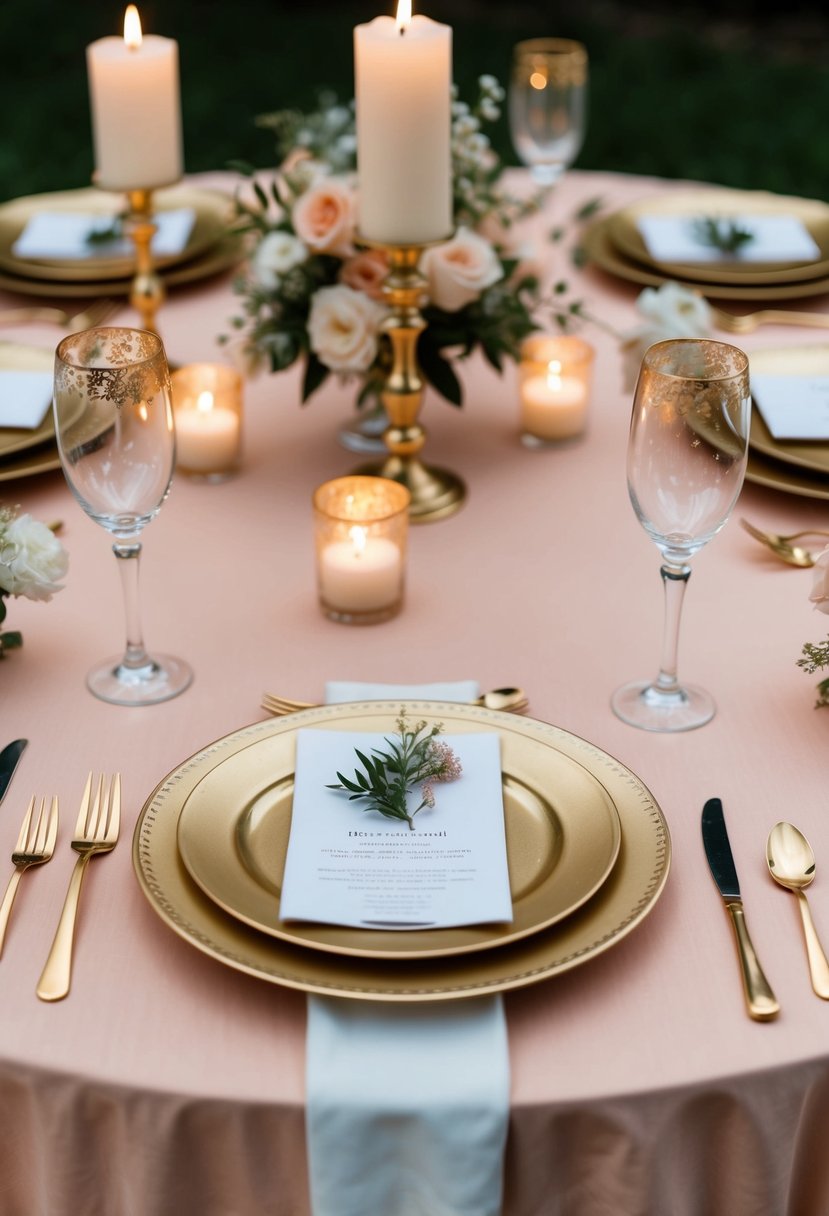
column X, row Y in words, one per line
column 361, row 527
column 207, row 408
column 556, row 375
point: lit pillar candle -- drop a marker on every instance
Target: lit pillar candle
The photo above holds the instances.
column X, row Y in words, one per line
column 136, row 109
column 403, row 80
column 361, row 574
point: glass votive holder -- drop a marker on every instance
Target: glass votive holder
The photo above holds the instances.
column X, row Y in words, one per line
column 361, row 527
column 207, row 408
column 555, row 379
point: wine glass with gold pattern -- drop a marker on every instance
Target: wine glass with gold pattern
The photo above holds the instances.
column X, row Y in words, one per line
column 547, row 100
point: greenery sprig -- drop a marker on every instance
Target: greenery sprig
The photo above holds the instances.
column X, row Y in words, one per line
column 725, row 235
column 816, row 658
column 387, row 778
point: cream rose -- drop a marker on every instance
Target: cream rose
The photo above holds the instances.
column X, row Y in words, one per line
column 32, row 560
column 275, row 255
column 342, row 328
column 459, row 270
column 671, row 311
column 819, row 595
column 325, row 216
column 366, row 272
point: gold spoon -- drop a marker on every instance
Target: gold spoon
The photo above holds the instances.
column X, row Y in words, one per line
column 795, row 555
column 791, row 862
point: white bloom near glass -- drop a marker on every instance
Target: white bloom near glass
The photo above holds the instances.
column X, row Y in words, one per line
column 32, row 562
column 548, row 105
column 686, row 461
column 114, row 426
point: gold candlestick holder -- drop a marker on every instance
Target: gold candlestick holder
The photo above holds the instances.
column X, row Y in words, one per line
column 147, row 292
column 435, row 493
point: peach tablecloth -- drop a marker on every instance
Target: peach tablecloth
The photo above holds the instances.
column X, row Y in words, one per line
column 167, row 1082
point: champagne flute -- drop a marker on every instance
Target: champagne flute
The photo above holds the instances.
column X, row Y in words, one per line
column 548, row 105
column 114, row 427
column 686, row 461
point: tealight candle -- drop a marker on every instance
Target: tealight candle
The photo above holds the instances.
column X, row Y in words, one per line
column 555, row 389
column 361, row 526
column 207, row 409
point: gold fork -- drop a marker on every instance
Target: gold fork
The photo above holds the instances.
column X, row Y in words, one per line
column 512, row 700
column 35, row 844
column 780, row 544
column 94, row 315
column 747, row 323
column 96, row 831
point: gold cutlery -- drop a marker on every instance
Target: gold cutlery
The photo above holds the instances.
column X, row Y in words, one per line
column 748, row 322
column 35, row 845
column 94, row 315
column 96, row 831
column 511, row 700
column 791, row 862
column 781, row 545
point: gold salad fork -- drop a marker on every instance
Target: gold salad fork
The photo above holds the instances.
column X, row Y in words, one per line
column 96, row 831
column 747, row 323
column 35, row 844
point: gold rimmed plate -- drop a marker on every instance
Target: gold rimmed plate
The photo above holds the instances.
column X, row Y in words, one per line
column 805, row 361
column 628, row 895
column 562, row 832
column 623, row 229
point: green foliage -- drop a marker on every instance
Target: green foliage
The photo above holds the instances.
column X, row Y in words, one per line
column 816, row 658
column 725, row 235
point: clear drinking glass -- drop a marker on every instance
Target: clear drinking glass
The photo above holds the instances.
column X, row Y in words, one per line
column 686, row 461
column 548, row 105
column 114, row 427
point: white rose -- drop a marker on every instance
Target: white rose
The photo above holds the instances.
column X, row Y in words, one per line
column 460, row 270
column 32, row 559
column 677, row 309
column 819, row 595
column 342, row 328
column 275, row 255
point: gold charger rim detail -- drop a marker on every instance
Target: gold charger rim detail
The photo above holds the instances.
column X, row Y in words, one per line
column 629, row 895
column 812, row 360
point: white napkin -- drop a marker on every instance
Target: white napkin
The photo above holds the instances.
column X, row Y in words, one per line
column 64, row 234
column 25, row 398
column 407, row 1105
column 793, row 407
column 776, row 238
column 337, row 691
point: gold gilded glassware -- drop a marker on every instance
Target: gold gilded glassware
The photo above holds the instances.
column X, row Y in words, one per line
column 547, row 101
column 361, row 528
column 114, row 427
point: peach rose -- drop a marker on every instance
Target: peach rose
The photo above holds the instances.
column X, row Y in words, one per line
column 342, row 328
column 459, row 270
column 820, row 582
column 325, row 216
column 365, row 272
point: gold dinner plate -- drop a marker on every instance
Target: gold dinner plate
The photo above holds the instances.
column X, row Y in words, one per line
column 802, row 361
column 562, row 834
column 601, row 251
column 814, row 215
column 627, row 896
column 29, row 463
column 791, row 479
column 212, row 215
column 16, row 357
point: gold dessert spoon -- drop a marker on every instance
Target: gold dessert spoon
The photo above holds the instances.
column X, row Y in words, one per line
column 781, row 545
column 791, row 862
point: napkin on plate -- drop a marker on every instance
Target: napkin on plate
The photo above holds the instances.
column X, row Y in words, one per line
column 407, row 1105
column 776, row 238
column 64, row 234
column 793, row 407
column 25, row 398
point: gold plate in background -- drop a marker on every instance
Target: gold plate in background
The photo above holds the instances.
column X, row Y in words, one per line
column 29, row 463
column 621, row 903
column 791, row 479
column 16, row 357
column 601, row 251
column 562, row 832
column 813, row 214
column 212, row 216
column 803, row 361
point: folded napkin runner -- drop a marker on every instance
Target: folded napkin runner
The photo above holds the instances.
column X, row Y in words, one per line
column 407, row 1106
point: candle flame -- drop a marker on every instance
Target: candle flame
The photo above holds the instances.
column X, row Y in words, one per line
column 554, row 375
column 404, row 14
column 132, row 28
column 204, row 403
column 358, row 539
column 538, row 80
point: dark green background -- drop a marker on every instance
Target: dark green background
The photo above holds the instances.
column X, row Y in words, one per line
column 733, row 93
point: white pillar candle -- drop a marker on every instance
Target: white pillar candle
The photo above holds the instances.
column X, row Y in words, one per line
column 361, row 574
column 553, row 407
column 403, row 80
column 136, row 109
column 207, row 437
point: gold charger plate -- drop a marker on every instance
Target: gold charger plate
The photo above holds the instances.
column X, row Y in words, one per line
column 562, row 833
column 621, row 903
column 44, row 460
column 803, row 361
column 600, row 250
column 791, row 479
column 814, row 215
column 15, row 356
column 212, row 215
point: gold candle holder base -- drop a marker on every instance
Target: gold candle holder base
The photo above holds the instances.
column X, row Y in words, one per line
column 147, row 293
column 435, row 493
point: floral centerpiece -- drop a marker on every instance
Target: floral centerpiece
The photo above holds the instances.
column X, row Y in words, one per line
column 32, row 561
column 816, row 655
column 312, row 293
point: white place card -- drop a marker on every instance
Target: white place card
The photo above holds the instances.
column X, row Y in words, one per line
column 65, row 234
column 25, row 398
column 793, row 407
column 348, row 866
column 775, row 238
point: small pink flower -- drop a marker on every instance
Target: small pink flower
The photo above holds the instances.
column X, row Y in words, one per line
column 445, row 764
column 325, row 216
column 820, row 582
column 365, row 272
column 428, row 794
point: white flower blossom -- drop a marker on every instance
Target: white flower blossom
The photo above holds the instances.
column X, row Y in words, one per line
column 32, row 559
column 819, row 594
column 275, row 255
column 342, row 328
column 671, row 311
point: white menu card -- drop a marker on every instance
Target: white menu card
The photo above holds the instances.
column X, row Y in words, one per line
column 775, row 238
column 25, row 398
column 793, row 407
column 349, row 866
column 66, row 234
